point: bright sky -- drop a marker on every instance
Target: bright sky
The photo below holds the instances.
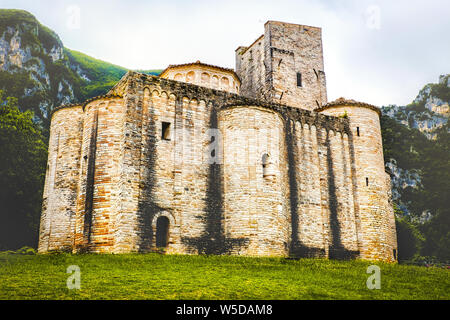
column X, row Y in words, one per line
column 377, row 51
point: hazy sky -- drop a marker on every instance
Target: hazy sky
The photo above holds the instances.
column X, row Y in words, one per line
column 378, row 51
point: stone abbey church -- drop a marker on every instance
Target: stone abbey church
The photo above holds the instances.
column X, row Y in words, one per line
column 210, row 160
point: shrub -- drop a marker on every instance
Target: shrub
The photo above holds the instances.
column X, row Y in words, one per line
column 409, row 239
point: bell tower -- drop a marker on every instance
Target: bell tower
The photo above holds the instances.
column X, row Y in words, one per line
column 284, row 65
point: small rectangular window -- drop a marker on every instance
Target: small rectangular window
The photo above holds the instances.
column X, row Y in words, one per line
column 357, row 131
column 367, row 182
column 299, row 79
column 165, row 131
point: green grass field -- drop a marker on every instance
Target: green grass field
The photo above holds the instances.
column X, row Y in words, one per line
column 154, row 276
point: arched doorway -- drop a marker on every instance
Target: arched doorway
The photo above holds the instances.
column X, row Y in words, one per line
column 162, row 232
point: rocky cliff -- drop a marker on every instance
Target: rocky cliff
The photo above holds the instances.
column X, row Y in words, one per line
column 428, row 112
column 36, row 68
column 415, row 140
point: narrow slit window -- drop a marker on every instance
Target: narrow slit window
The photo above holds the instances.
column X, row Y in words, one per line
column 299, row 79
column 165, row 131
column 367, row 182
column 357, row 131
column 266, row 165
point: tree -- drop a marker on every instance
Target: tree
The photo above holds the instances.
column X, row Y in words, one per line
column 23, row 157
column 409, row 239
column 437, row 232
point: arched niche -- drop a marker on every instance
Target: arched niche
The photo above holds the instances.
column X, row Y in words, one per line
column 225, row 82
column 215, row 81
column 205, row 78
column 178, row 77
column 267, row 165
column 190, row 77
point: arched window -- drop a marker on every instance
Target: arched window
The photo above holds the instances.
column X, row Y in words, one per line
column 178, row 77
column 224, row 83
column 190, row 77
column 266, row 164
column 215, row 81
column 162, row 232
column 205, row 78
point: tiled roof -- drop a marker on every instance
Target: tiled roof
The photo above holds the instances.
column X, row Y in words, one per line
column 83, row 104
column 198, row 63
column 348, row 102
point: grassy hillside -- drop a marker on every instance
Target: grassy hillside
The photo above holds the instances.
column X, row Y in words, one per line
column 155, row 72
column 102, row 75
column 48, row 74
column 154, row 276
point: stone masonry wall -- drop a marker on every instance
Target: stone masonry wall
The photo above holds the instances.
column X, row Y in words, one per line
column 256, row 206
column 268, row 68
column 375, row 219
column 284, row 182
column 98, row 199
column 61, row 182
column 251, row 70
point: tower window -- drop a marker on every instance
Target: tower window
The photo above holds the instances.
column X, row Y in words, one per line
column 357, row 131
column 266, row 165
column 299, row 79
column 367, row 182
column 265, row 160
column 165, row 131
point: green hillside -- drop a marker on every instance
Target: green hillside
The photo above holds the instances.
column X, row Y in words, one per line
column 37, row 69
column 155, row 276
column 155, row 72
column 102, row 75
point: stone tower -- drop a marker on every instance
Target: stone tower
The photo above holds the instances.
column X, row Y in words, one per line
column 284, row 65
column 375, row 217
